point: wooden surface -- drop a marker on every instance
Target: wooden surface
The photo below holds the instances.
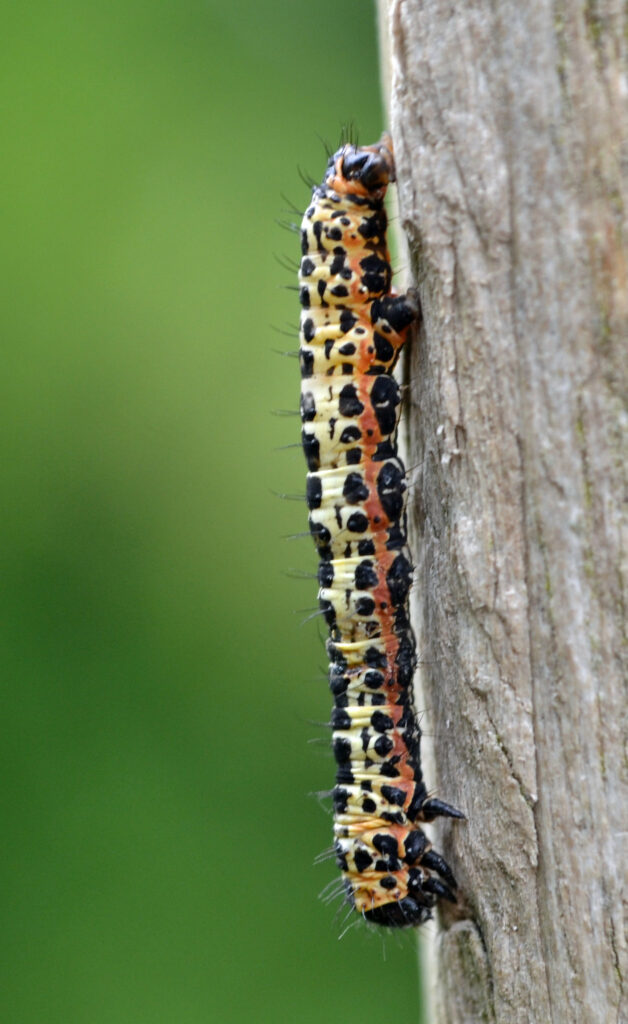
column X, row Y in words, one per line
column 508, row 121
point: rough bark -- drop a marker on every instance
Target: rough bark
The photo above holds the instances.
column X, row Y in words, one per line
column 509, row 125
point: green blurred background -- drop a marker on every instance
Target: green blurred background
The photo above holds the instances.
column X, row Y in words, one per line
column 161, row 695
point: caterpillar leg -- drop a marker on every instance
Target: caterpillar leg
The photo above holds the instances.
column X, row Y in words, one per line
column 434, row 808
column 398, row 311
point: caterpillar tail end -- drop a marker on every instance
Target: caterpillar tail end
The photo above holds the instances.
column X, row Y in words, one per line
column 405, row 913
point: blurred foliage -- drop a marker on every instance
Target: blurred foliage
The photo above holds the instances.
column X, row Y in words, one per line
column 160, row 694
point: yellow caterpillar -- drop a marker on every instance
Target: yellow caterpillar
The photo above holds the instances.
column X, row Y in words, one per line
column 351, row 332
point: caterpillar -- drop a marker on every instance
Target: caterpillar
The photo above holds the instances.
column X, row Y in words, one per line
column 352, row 329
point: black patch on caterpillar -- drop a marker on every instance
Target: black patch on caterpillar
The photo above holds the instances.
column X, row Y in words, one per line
column 385, row 450
column 338, row 682
column 385, row 398
column 394, row 796
column 347, row 320
column 311, row 447
column 306, row 359
column 414, row 846
column 382, row 723
column 342, row 750
column 318, row 234
column 308, row 406
column 341, row 860
column 365, row 576
column 329, row 612
column 399, row 580
column 385, row 843
column 340, row 719
column 365, row 606
column 314, row 492
column 383, row 745
column 340, row 796
column 350, row 434
column 395, row 818
column 375, row 226
column 358, row 522
column 356, row 495
column 374, row 658
column 325, row 574
column 391, row 486
column 395, row 310
column 354, row 489
column 349, row 404
column 319, row 532
column 376, row 273
column 363, row 860
column 383, row 348
column 337, row 264
column 414, row 809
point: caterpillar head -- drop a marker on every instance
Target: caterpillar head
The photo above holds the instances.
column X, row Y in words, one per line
column 362, row 170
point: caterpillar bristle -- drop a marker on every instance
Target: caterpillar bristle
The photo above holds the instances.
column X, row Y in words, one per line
column 324, row 143
column 287, row 497
column 285, row 262
column 333, row 893
column 314, row 614
column 287, row 225
column 306, row 178
column 325, row 855
column 348, row 135
column 300, row 574
column 288, row 354
column 292, row 207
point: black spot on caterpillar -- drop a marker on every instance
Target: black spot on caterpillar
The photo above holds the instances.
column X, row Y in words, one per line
column 352, row 330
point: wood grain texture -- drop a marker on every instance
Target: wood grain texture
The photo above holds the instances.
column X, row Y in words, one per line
column 510, row 129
